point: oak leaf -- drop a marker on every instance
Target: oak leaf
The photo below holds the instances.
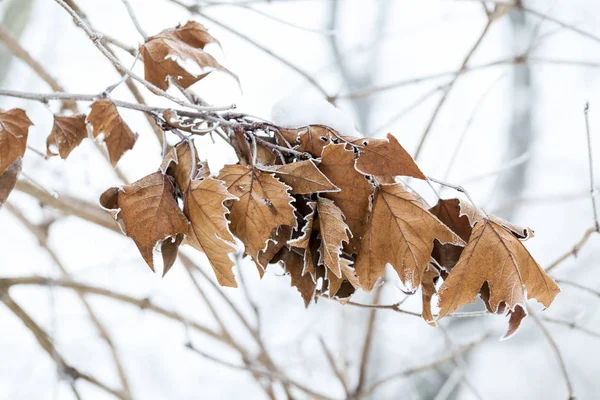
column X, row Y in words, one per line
column 494, row 255
column 118, row 137
column 355, row 190
column 149, row 214
column 333, row 233
column 14, row 128
column 67, row 133
column 385, row 157
column 209, row 229
column 303, row 177
column 8, row 179
column 179, row 53
column 264, row 204
column 401, row 232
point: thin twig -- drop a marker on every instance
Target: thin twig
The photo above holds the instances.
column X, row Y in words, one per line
column 557, row 353
column 574, row 250
column 42, row 337
column 368, row 342
column 572, row 325
column 134, row 19
column 591, row 165
column 338, row 373
column 427, row 366
column 450, row 86
column 306, row 75
column 42, row 237
column 143, row 304
column 578, row 286
column 252, row 368
column 96, row 39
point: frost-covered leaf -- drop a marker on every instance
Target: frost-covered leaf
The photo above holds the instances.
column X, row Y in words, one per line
column 179, row 53
column 401, row 232
column 209, row 228
column 149, row 214
column 494, row 255
column 303, row 177
column 264, row 204
column 385, row 157
column 14, row 128
column 118, row 137
column 294, row 264
column 333, row 234
column 67, row 133
column 355, row 190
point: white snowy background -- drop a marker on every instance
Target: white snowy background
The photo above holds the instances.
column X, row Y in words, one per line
column 378, row 42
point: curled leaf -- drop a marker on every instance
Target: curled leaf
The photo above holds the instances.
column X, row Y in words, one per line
column 179, row 53
column 149, row 214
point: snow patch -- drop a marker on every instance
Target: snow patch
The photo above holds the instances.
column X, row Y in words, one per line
column 300, row 110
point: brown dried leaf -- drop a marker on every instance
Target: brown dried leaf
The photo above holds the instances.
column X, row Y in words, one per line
column 334, row 232
column 348, row 275
column 400, row 232
column 294, row 264
column 106, row 120
column 354, row 198
column 209, row 228
column 496, row 256
column 8, row 179
column 149, row 214
column 178, row 53
column 14, row 128
column 264, row 204
column 67, row 133
column 178, row 163
column 314, row 138
column 385, row 157
column 303, row 177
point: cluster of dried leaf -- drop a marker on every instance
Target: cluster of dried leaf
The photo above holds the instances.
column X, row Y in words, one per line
column 331, row 212
column 326, row 206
